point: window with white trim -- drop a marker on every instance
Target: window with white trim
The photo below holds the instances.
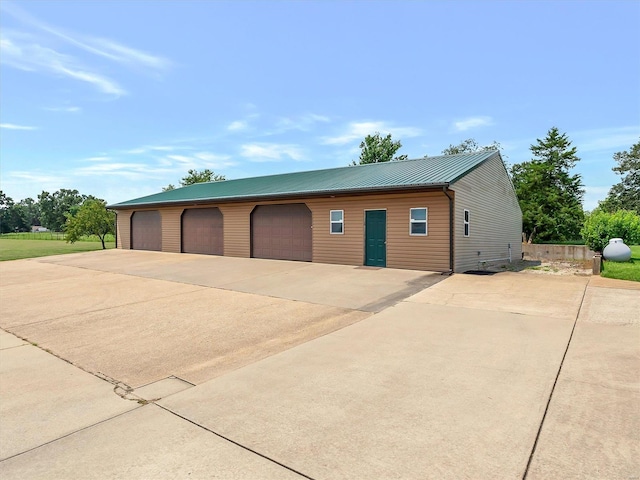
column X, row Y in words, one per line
column 466, row 223
column 418, row 221
column 336, row 222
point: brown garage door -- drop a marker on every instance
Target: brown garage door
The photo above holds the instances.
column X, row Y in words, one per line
column 281, row 232
column 146, row 230
column 202, row 231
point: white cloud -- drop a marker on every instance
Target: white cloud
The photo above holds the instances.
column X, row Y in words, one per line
column 35, row 58
column 98, row 159
column 132, row 171
column 102, row 47
column 64, row 109
column 237, row 126
column 271, row 152
column 103, row 84
column 33, row 52
column 303, row 123
column 35, row 176
column 13, row 126
column 356, row 131
column 472, row 122
column 149, row 148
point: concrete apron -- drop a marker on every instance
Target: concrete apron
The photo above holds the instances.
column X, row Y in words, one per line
column 429, row 388
column 420, row 390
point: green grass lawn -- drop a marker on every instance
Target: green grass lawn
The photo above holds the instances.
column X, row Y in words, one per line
column 624, row 270
column 17, row 248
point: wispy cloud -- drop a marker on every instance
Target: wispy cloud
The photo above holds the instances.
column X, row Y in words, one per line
column 102, row 47
column 151, row 161
column 30, row 56
column 64, row 109
column 356, row 131
column 303, row 122
column 13, row 126
column 149, row 148
column 34, row 52
column 271, row 152
column 237, row 126
column 132, row 171
column 38, row 177
column 472, row 122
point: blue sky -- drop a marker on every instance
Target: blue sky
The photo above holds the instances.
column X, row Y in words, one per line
column 118, row 99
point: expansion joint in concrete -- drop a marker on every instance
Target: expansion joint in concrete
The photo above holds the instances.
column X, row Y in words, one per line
column 261, row 455
column 546, row 410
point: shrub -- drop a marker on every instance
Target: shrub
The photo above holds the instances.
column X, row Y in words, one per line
column 600, row 227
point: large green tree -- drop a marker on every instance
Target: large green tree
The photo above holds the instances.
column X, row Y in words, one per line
column 376, row 149
column 625, row 195
column 196, row 176
column 470, row 146
column 91, row 218
column 55, row 206
column 550, row 195
column 17, row 217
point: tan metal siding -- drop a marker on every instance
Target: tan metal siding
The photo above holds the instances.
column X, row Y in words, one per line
column 124, row 229
column 171, row 229
column 403, row 250
column 237, row 229
column 429, row 252
column 495, row 216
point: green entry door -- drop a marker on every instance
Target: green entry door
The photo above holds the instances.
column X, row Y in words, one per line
column 375, row 238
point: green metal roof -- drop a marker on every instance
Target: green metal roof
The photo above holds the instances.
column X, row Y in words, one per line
column 422, row 172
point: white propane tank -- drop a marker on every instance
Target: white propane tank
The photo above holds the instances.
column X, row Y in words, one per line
column 616, row 251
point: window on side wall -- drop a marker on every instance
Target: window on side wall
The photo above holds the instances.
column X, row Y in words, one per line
column 418, row 221
column 466, row 223
column 337, row 222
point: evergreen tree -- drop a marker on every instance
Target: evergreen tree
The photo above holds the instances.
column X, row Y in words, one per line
column 550, row 196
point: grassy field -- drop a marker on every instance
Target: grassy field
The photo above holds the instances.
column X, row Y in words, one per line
column 50, row 236
column 624, row 270
column 17, row 248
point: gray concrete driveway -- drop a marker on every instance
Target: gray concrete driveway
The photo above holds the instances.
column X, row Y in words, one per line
column 509, row 376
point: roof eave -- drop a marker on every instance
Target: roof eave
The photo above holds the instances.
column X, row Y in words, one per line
column 280, row 196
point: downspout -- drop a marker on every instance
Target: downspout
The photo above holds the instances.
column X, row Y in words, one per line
column 116, row 229
column 444, row 190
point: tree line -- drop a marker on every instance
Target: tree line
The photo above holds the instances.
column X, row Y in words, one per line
column 64, row 210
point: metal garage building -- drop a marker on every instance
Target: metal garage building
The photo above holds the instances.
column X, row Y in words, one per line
column 446, row 213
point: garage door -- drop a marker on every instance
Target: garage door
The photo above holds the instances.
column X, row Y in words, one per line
column 281, row 232
column 146, row 230
column 202, row 231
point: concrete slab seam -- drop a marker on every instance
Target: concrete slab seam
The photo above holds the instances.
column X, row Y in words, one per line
column 49, row 319
column 67, row 435
column 546, row 409
column 244, row 447
column 117, row 384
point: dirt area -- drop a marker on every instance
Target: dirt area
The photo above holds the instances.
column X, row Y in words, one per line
column 545, row 267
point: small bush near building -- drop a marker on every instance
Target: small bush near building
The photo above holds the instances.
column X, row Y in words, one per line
column 600, row 227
